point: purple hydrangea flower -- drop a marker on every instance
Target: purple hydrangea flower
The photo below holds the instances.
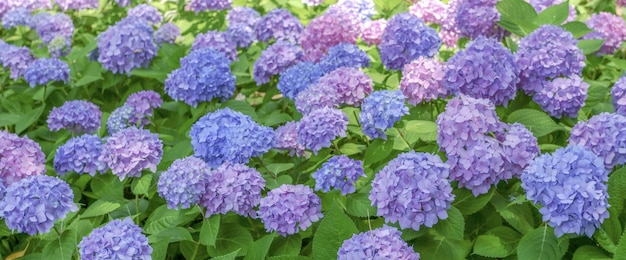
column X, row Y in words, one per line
column 184, row 182
column 315, row 97
column 290, row 208
column 167, row 33
column 484, row 69
column 298, row 78
column 80, row 155
column 118, row 239
column 120, row 119
column 430, row 11
column 339, row 172
column 77, row 4
column 4, row 7
column 372, row 31
column 618, row 92
column 279, row 24
column 413, row 189
column 478, row 167
column 570, row 185
column 466, row 19
column 562, row 96
column 49, row 26
column 422, row 80
column 17, row 59
column 204, row 74
column 364, row 9
column 382, row 110
column 326, row 31
column 604, row 135
column 147, row 12
column 127, row 45
column 33, row 204
column 77, row 116
column 46, row 70
column 620, row 3
column 130, row 151
column 20, row 157
column 232, row 187
column 16, row 17
column 519, row 146
column 219, row 41
column 381, row 243
column 143, row 102
column 405, row 39
column 31, row 5
column 450, row 32
column 211, row 5
column 59, row 46
column 243, row 15
column 351, row 85
column 320, row 127
column 312, row 2
column 286, row 137
column 241, row 34
column 274, row 60
column 229, row 136
column 122, row 3
column 608, row 27
column 344, row 55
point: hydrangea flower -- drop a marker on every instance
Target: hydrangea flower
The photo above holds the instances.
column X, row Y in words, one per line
column 412, row 189
column 618, row 93
column 240, row 34
column 127, row 45
column 351, row 85
column 372, row 31
column 77, row 4
column 274, row 60
column 382, row 110
column 286, row 137
column 344, row 55
column 229, row 136
column 289, row 208
column 184, row 182
column 620, row 3
column 46, row 70
column 519, row 146
column 77, row 116
column 118, row 239
column 478, row 167
column 120, row 119
column 364, row 9
column 59, row 46
column 16, row 59
column 604, row 135
column 484, row 69
column 320, row 127
column 422, row 80
column 122, row 3
column 167, row 33
column 211, row 5
column 312, row 2
column 147, row 12
column 466, row 20
column 608, row 27
column 562, row 96
column 326, row 31
column 33, row 204
column 298, row 77
column 219, row 41
column 31, row 5
column 243, row 15
column 130, row 151
column 450, row 32
column 430, row 11
column 315, row 97
column 143, row 102
column 16, row 17
column 232, row 187
column 381, row 243
column 204, row 74
column 570, row 185
column 279, row 24
column 339, row 172
column 20, row 157
column 49, row 26
column 405, row 39
column 80, row 155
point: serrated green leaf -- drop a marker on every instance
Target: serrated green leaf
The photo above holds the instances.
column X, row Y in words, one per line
column 230, row 256
column 555, row 14
column 91, row 73
column 604, row 240
column 209, row 230
column 142, row 185
column 415, row 130
column 538, row 122
column 439, row 247
column 590, row 46
column 359, row 205
column 61, row 248
column 8, row 119
column 453, row 227
column 351, row 148
column 192, row 250
column 28, row 119
column 334, row 228
column 260, row 248
column 519, row 216
column 277, row 168
column 578, row 29
column 516, row 16
column 159, row 249
column 498, row 242
column 588, row 252
column 467, row 203
column 617, row 189
column 241, row 107
column 161, row 219
column 231, row 237
column 172, row 234
column 107, row 186
column 179, row 150
column 378, row 150
column 99, row 208
column 542, row 244
column 286, row 246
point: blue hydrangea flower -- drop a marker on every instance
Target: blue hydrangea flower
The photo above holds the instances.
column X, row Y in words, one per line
column 77, row 4
column 315, row 97
column 77, row 116
column 274, row 60
column 120, row 119
column 147, row 12
column 167, row 33
column 519, row 146
column 59, row 46
column 118, row 239
column 339, row 172
column 232, row 187
column 478, row 167
column 618, row 93
column 49, row 26
column 320, row 127
column 243, row 15
column 143, row 102
column 604, row 135
column 608, row 27
column 279, row 24
column 351, row 84
column 328, row 30
column 16, row 17
column 298, row 77
column 289, row 208
column 122, row 3
column 46, row 70
column 382, row 243
column 31, row 5
column 286, row 137
column 405, row 39
column 476, row 18
column 380, row 111
column 229, row 136
column 219, row 41
column 344, row 55
column 204, row 74
column 570, row 185
column 241, row 34
column 20, row 157
column 16, row 59
column 562, row 96
column 211, row 5
column 365, row 9
column 127, row 45
column 422, row 80
column 80, row 155
column 184, row 182
column 33, row 204
column 130, row 151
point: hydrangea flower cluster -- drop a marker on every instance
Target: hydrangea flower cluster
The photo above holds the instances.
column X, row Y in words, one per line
column 241, row 34
column 289, row 208
column 211, row 5
column 122, row 3
column 274, row 60
column 618, row 92
column 450, row 32
column 570, row 184
column 405, row 39
column 147, row 12
column 80, row 155
column 33, row 204
column 562, row 96
column 382, row 110
column 127, row 45
column 20, row 157
column 31, row 5
column 320, row 127
column 351, row 85
column 298, row 77
column 326, row 31
column 77, row 116
column 519, row 146
column 372, row 31
column 430, row 11
column 143, row 102
column 381, row 243
column 604, row 135
column 16, row 17
column 339, row 172
column 46, row 70
column 130, row 151
column 243, row 15
column 118, row 239
column 465, row 19
column 484, row 69
column 229, row 136
column 49, row 26
column 77, row 4
column 365, row 9
column 315, row 97
column 344, row 55
column 167, row 33
column 286, row 137
column 59, row 46
column 120, row 119
column 204, row 74
column 608, row 27
column 312, row 2
column 422, row 80
column 413, row 189
column 232, row 187
column 620, row 3
column 16, row 59
column 219, row 41
column 279, row 24
column 184, row 182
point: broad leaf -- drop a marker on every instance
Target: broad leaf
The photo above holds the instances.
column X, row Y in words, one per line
column 334, row 228
column 542, row 244
column 538, row 122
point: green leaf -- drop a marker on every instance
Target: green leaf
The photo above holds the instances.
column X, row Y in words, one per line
column 179, row 150
column 260, row 248
column 538, row 122
column 604, row 240
column 542, row 244
column 142, row 185
column 99, row 208
column 161, row 219
column 555, row 14
column 8, row 119
column 498, row 242
column 519, row 216
column 61, row 248
column 28, row 119
column 107, row 186
column 92, row 73
column 588, row 252
column 620, row 251
column 242, row 107
column 578, row 29
column 617, row 189
column 150, row 74
column 192, row 250
column 453, row 227
column 439, row 247
column 517, row 16
column 173, row 234
column 159, row 249
column 351, row 148
column 209, row 230
column 467, row 203
column 277, row 168
column 230, row 256
column 286, row 246
column 334, row 228
column 359, row 205
column 590, row 46
column 378, row 150
column 231, row 237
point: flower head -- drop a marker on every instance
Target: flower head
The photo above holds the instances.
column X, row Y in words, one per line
column 31, row 5
column 344, row 55
column 320, row 127
column 364, row 9
column 608, row 27
column 562, row 96
column 143, row 102
column 405, row 39
column 381, row 243
column 80, row 155
column 49, row 26
column 211, row 5
column 315, row 97
column 274, row 60
column 604, row 135
column 77, row 4
column 431, row 11
column 127, row 45
column 122, row 3
column 519, row 146
column 422, row 80
column 167, row 33
column 17, row 59
column 45, row 70
column 147, row 12
column 243, row 15
column 372, row 31
column 183, row 184
column 20, row 157
column 279, row 24
column 219, row 41
column 298, row 78
column 326, row 31
column 618, row 93
column 286, row 137
column 351, row 85
column 16, row 17
column 120, row 119
column 339, row 172
column 232, row 187
column 130, row 151
column 476, row 18
column 77, row 116
column 59, row 46
column 382, row 110
column 289, row 208
column 241, row 34
column 118, row 239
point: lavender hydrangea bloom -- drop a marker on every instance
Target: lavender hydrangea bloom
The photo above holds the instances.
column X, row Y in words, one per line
column 279, row 24
column 312, row 2
column 122, row 3
column 405, row 39
column 298, row 77
column 412, row 189
column 33, row 204
column 484, row 69
column 519, row 146
column 184, row 182
column 243, row 15
column 31, row 5
column 449, row 32
column 211, row 5
column 286, row 137
column 365, row 9
column 478, row 167
column 59, row 46
column 232, row 187
column 289, row 208
column 430, row 11
column 143, row 102
column 120, row 119
column 204, row 74
column 351, row 85
column 422, row 80
column 240, row 34
column 562, row 96
column 372, row 31
column 17, row 59
column 570, row 184
column 130, row 151
column 127, row 45
column 381, row 243
column 380, row 111
column 274, row 60
column 77, row 116
column 229, row 136
column 20, row 157
column 118, row 239
column 77, row 4
column 46, row 70
column 315, row 97
column 326, row 31
column 80, row 155
column 339, row 172
column 608, row 27
column 320, row 127
column 16, row 17
column 52, row 25
column 4, row 7
column 344, row 55
column 618, row 92
column 167, row 33
column 604, row 135
column 219, row 41
column 147, row 12
column 471, row 27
